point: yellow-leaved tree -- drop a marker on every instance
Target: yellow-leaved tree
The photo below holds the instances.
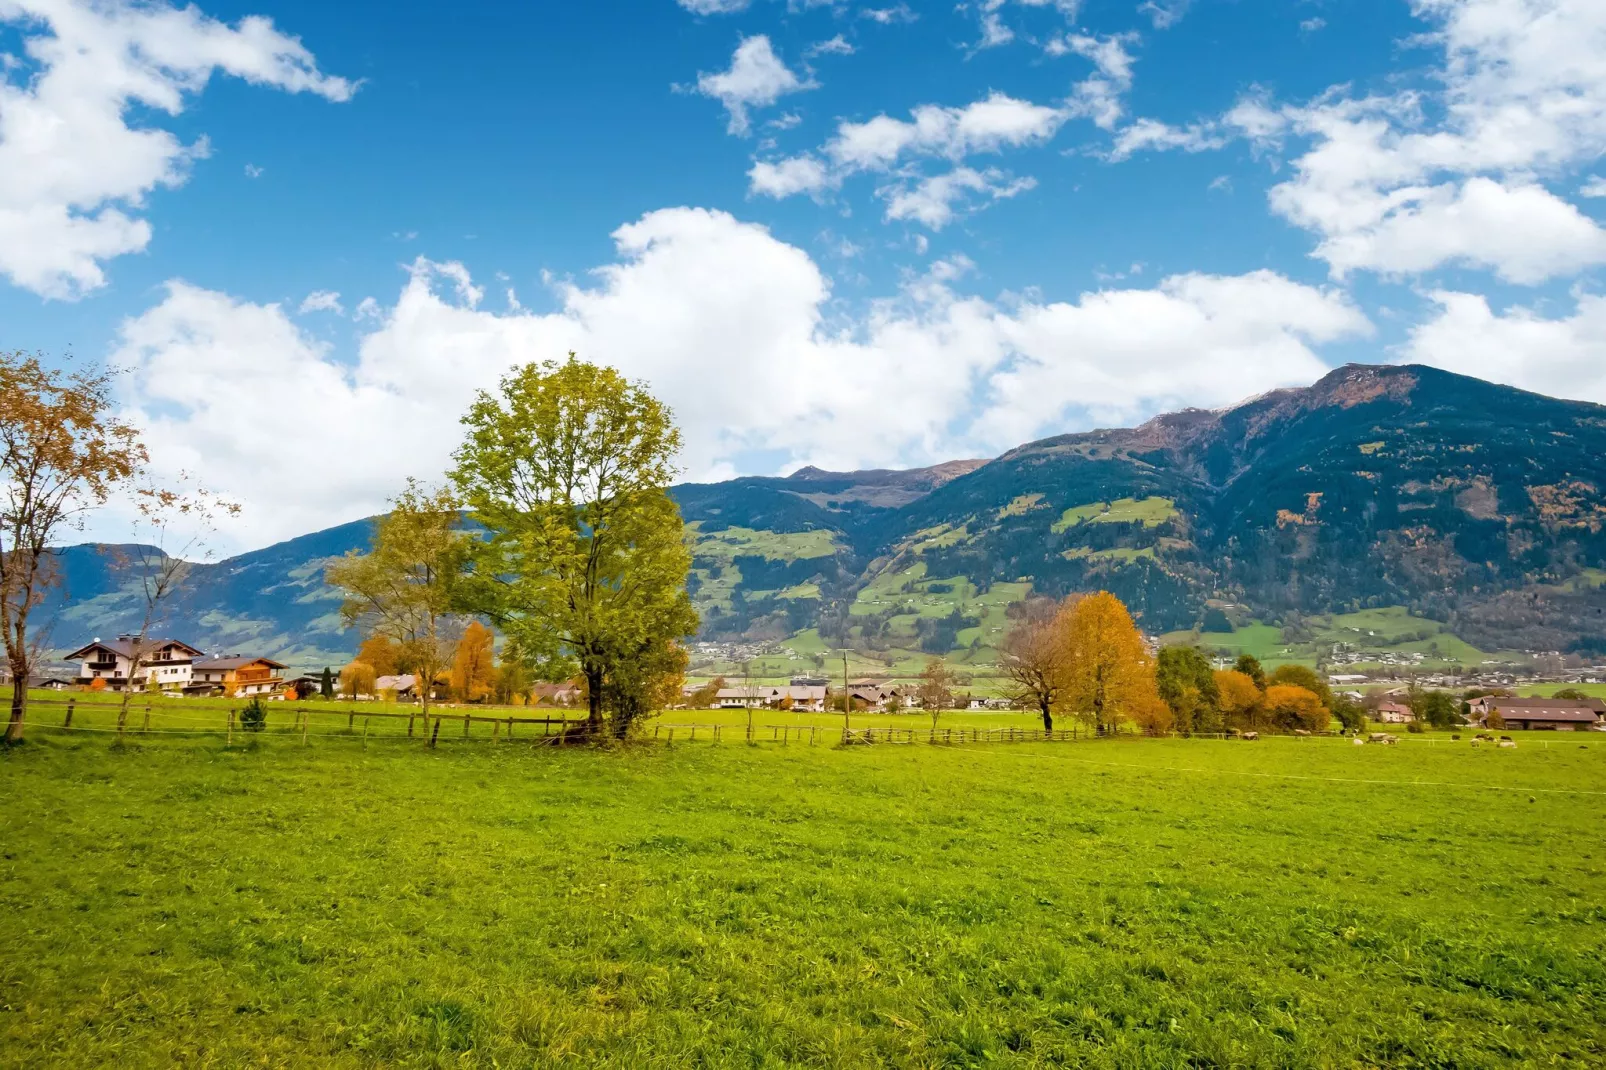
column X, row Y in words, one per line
column 1109, row 673
column 472, row 664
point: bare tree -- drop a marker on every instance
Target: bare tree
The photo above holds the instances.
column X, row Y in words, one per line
column 172, row 529
column 61, row 454
column 1034, row 658
column 936, row 688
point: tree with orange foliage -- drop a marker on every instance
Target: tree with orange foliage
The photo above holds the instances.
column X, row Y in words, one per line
column 358, row 678
column 62, row 453
column 472, row 665
column 1109, row 674
column 1291, row 708
column 1241, row 700
column 382, row 653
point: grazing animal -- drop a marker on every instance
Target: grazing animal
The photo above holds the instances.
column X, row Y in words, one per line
column 1250, row 735
column 1508, row 743
column 1358, row 741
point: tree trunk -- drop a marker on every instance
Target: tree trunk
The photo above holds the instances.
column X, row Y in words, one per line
column 1048, row 718
column 19, row 706
column 594, row 701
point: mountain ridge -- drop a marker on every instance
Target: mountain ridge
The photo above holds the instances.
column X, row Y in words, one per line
column 1475, row 508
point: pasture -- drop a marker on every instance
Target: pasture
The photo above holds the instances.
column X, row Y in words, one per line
column 1119, row 903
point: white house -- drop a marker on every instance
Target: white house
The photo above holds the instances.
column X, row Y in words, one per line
column 165, row 664
column 237, row 674
column 793, row 696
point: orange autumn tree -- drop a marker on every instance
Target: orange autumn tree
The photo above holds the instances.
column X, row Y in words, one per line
column 1241, row 700
column 1108, row 671
column 381, row 653
column 1292, row 708
column 473, row 665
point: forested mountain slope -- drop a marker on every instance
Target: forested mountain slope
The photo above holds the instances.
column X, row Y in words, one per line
column 1475, row 510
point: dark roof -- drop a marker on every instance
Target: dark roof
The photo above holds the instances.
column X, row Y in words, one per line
column 125, row 647
column 234, row 661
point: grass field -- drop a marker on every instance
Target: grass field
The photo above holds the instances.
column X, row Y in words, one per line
column 1286, row 903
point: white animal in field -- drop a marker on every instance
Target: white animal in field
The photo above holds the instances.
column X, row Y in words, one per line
column 1504, row 743
column 1358, row 741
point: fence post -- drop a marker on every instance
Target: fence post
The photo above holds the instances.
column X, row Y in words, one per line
column 409, row 724
column 304, row 722
column 351, row 718
column 496, row 731
column 68, row 722
column 436, row 731
column 146, row 727
column 231, row 727
column 365, row 721
column 465, row 726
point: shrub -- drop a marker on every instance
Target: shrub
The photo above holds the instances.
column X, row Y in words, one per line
column 254, row 718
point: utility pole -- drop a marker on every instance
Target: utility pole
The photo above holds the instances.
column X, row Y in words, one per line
column 847, row 696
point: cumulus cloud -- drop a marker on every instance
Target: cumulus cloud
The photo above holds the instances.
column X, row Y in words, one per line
column 713, row 313
column 74, row 169
column 1524, row 97
column 1562, row 356
column 756, row 78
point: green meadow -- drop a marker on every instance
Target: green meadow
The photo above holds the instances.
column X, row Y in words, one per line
column 353, row 901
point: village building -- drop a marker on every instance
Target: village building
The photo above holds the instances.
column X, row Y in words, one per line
column 165, row 664
column 764, row 696
column 1395, row 713
column 236, row 674
column 1539, row 714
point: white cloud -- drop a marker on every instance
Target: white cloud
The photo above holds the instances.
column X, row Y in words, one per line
column 933, row 201
column 1595, row 187
column 836, row 46
column 1311, row 25
column 253, row 171
column 1099, row 96
column 1524, row 99
column 879, row 144
column 714, row 7
column 713, row 313
column 888, row 15
column 1522, row 232
column 756, row 79
column 1563, row 357
column 73, row 170
column 1165, row 13
column 1150, row 134
column 800, row 174
column 322, row 301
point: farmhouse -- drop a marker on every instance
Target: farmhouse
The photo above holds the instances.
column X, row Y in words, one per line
column 1394, row 713
column 1547, row 714
column 235, row 674
column 164, row 663
column 793, row 696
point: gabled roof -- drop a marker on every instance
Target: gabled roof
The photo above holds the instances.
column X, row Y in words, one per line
column 125, row 648
column 1522, row 704
column 234, row 661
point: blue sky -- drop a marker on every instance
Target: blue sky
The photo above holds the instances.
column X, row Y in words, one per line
column 840, row 233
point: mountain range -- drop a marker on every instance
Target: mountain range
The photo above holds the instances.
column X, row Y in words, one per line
column 1387, row 507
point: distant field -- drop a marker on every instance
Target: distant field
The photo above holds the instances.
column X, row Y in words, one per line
column 1287, row 903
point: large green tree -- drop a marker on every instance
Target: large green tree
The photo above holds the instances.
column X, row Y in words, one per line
column 1187, row 683
column 585, row 562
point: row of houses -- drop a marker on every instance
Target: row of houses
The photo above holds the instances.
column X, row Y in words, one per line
column 175, row 666
column 1535, row 714
column 865, row 695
